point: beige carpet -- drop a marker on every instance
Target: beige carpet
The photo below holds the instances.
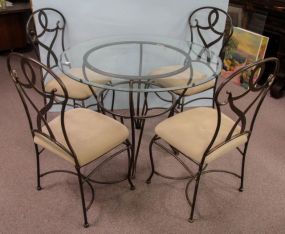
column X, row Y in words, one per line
column 157, row 208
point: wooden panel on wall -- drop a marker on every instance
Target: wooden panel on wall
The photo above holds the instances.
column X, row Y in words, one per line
column 12, row 26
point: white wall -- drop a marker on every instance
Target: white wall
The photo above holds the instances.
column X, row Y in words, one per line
column 89, row 19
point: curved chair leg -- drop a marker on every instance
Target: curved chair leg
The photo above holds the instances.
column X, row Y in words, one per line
column 191, row 220
column 86, row 224
column 148, row 181
column 141, row 126
column 130, row 164
column 242, row 168
column 113, row 100
column 242, row 174
column 38, row 168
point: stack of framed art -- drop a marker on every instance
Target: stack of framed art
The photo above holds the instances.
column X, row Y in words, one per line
column 244, row 47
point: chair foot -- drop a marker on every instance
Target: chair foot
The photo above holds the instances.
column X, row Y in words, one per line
column 39, row 188
column 148, row 181
column 241, row 189
column 86, row 225
column 132, row 187
column 191, row 220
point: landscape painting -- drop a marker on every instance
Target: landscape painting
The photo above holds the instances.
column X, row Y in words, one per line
column 244, row 47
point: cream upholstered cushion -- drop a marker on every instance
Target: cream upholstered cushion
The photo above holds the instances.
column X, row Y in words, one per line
column 181, row 79
column 191, row 132
column 75, row 89
column 90, row 133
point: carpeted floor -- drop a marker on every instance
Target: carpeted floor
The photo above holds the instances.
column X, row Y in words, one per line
column 160, row 207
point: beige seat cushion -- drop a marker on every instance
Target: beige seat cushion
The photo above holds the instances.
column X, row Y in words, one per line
column 181, row 79
column 75, row 89
column 91, row 134
column 191, row 132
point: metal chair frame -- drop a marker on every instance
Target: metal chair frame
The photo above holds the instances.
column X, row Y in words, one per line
column 244, row 119
column 213, row 16
column 55, row 31
column 28, row 82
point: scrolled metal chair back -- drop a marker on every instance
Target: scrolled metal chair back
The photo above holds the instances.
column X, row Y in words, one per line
column 45, row 29
column 26, row 75
column 242, row 105
column 210, row 31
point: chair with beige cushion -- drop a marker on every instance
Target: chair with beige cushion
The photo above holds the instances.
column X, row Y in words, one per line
column 80, row 136
column 203, row 134
column 207, row 29
column 48, row 35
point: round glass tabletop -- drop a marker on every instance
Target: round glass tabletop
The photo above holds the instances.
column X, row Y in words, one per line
column 140, row 63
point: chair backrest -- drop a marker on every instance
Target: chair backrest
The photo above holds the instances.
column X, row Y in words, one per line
column 26, row 75
column 45, row 30
column 242, row 105
column 207, row 27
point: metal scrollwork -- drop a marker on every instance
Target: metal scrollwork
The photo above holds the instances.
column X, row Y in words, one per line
column 54, row 26
column 215, row 15
column 27, row 79
column 256, row 90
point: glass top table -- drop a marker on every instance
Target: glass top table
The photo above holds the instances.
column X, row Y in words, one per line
column 139, row 66
column 129, row 61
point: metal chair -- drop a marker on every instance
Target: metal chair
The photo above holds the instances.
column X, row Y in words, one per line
column 205, row 29
column 204, row 134
column 208, row 32
column 80, row 136
column 45, row 30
